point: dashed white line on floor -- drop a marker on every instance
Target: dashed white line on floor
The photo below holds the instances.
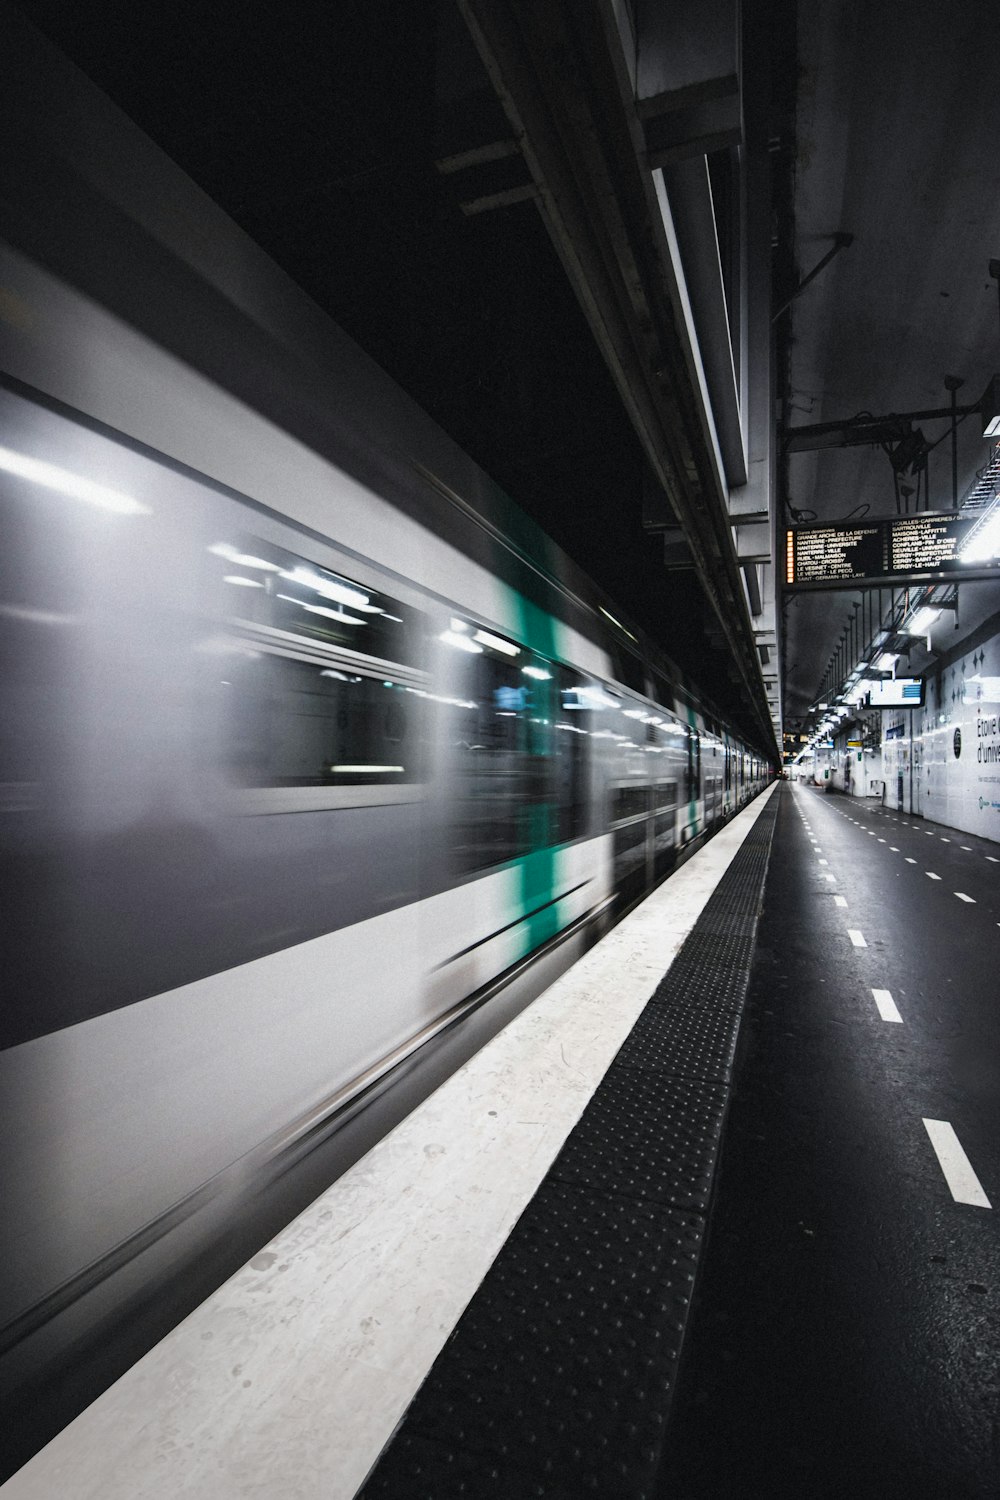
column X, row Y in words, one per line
column 881, row 841
column 842, row 901
column 962, row 1181
column 944, row 840
column 893, row 849
column 824, row 861
column 931, row 876
column 856, row 937
column 886, row 1006
column 828, row 876
column 993, row 859
column 966, row 847
column 963, row 897
column 909, row 861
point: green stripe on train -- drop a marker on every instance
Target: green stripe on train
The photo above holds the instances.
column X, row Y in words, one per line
column 537, row 872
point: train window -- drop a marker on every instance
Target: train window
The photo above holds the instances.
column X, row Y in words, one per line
column 664, row 825
column 693, row 776
column 629, row 802
column 497, row 705
column 579, row 706
column 630, row 670
column 665, row 795
column 299, row 723
column 272, row 588
column 323, row 686
column 630, row 850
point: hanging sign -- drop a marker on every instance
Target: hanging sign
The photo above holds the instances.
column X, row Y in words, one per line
column 922, row 548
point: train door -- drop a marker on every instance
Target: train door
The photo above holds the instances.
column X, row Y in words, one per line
column 693, row 818
column 629, row 821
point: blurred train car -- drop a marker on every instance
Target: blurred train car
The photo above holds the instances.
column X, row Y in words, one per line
column 312, row 745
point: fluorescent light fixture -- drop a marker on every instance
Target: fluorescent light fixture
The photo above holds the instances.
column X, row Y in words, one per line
column 437, row 698
column 245, row 583
column 74, row 485
column 460, row 642
column 327, row 588
column 497, row 642
column 29, row 615
column 886, row 661
column 364, row 770
column 611, row 617
column 596, row 698
column 537, row 672
column 243, row 559
column 923, row 620
column 321, row 609
column 983, row 544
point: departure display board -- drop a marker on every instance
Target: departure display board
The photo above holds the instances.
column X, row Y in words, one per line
column 927, row 541
column 834, row 554
column 923, row 547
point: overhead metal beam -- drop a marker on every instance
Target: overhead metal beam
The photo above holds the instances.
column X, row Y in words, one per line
column 479, row 156
column 679, row 134
column 689, row 191
column 558, row 72
column 860, row 431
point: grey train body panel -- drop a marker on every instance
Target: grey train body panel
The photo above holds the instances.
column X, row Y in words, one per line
column 310, row 739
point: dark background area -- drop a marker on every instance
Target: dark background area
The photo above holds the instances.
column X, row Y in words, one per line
column 318, row 129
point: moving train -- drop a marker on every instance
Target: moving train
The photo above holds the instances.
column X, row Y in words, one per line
column 312, row 744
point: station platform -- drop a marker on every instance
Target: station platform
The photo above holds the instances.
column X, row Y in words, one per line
column 712, row 1218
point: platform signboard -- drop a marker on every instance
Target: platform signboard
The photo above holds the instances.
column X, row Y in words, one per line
column 897, row 692
column 922, row 548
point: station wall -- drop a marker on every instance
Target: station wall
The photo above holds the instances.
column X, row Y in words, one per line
column 941, row 761
column 956, row 750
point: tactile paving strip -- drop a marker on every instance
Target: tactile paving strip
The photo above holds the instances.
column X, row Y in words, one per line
column 558, row 1378
column 683, row 1038
column 710, row 950
column 732, row 927
column 695, row 980
column 422, row 1469
column 561, row 1366
column 647, row 1135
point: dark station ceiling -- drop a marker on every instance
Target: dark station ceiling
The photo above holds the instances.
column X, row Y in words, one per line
column 320, row 129
column 325, row 131
column 898, row 144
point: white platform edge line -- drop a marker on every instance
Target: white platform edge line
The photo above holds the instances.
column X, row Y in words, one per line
column 962, row 1181
column 291, row 1378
